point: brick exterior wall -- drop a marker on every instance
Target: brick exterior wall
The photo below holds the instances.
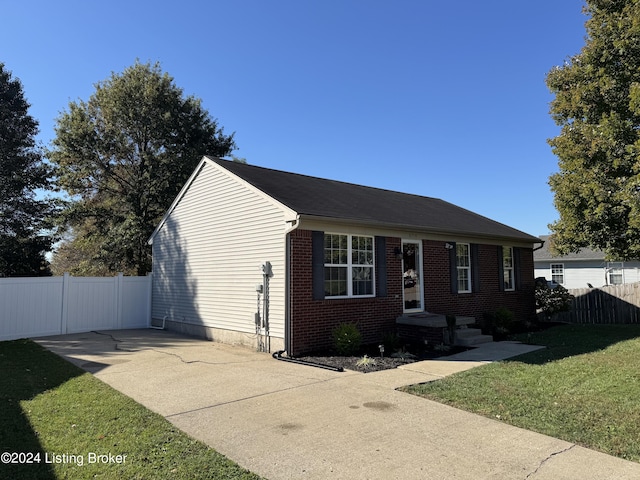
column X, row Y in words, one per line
column 437, row 288
column 312, row 321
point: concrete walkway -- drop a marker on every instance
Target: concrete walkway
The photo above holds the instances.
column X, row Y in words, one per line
column 287, row 421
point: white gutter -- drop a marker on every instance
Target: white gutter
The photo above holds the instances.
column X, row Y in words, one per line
column 525, row 238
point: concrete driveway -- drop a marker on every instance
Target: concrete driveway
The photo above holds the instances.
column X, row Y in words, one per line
column 287, row 421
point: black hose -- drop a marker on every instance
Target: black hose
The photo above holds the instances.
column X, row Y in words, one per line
column 278, row 356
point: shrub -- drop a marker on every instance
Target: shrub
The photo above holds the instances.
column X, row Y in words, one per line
column 347, row 339
column 486, row 324
column 503, row 318
column 391, row 342
column 403, row 354
column 552, row 300
column 502, row 322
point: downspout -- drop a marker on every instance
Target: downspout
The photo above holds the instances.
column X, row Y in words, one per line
column 541, row 245
column 278, row 356
column 287, row 284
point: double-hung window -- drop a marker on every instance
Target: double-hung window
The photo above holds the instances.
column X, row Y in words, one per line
column 557, row 273
column 615, row 273
column 507, row 268
column 463, row 264
column 348, row 265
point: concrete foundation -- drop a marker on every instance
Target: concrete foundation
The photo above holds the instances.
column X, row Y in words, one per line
column 229, row 337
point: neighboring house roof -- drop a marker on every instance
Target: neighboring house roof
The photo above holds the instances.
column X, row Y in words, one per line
column 332, row 199
column 544, row 254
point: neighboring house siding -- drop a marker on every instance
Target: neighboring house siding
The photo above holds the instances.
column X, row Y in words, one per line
column 587, row 266
column 576, row 274
column 580, row 273
column 208, row 253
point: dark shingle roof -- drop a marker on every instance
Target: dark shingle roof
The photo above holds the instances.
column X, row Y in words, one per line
column 544, row 254
column 345, row 201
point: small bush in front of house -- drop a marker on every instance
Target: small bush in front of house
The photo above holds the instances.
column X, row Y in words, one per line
column 403, row 354
column 486, row 324
column 347, row 339
column 391, row 341
column 502, row 322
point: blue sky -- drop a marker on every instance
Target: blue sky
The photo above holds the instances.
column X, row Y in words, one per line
column 443, row 99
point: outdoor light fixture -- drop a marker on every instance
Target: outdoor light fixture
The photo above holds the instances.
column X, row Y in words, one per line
column 448, row 246
column 398, row 253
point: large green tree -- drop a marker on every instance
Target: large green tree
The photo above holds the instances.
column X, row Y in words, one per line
column 123, row 156
column 23, row 242
column 597, row 105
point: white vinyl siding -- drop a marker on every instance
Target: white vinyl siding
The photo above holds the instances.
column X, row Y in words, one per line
column 208, row 253
column 582, row 273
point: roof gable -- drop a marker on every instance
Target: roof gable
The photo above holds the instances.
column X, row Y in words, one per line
column 318, row 197
column 207, row 161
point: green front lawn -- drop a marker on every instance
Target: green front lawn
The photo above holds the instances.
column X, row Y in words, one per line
column 70, row 425
column 583, row 388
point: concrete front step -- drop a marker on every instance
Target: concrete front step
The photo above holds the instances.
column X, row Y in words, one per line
column 468, row 332
column 432, row 328
column 431, row 320
column 470, row 340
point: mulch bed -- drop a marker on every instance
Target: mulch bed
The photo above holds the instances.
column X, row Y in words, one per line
column 373, row 361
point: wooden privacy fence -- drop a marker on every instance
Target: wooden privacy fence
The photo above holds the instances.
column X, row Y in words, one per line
column 617, row 304
column 36, row 307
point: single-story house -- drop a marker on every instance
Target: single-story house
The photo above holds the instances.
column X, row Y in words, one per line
column 278, row 260
column 587, row 268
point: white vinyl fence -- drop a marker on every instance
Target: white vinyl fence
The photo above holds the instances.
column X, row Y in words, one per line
column 37, row 307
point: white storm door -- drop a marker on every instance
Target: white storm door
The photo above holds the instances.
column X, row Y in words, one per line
column 412, row 276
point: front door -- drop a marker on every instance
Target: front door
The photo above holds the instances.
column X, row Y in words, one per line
column 412, row 276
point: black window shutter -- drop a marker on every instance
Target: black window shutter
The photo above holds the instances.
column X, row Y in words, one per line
column 500, row 269
column 453, row 267
column 317, row 268
column 475, row 267
column 517, row 262
column 381, row 266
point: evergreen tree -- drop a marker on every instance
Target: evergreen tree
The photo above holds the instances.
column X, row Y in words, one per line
column 22, row 171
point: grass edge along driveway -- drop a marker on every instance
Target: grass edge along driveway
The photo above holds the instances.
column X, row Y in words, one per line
column 583, row 388
column 58, row 422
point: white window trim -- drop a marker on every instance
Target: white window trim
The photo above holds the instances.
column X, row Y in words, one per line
column 615, row 268
column 349, row 266
column 561, row 265
column 469, row 282
column 511, row 269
